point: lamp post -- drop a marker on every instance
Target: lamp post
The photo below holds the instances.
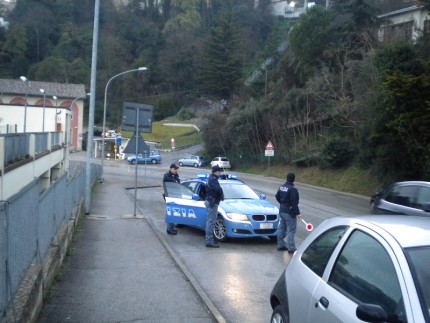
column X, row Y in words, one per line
column 25, row 80
column 43, row 121
column 104, row 114
column 55, row 121
column 79, row 97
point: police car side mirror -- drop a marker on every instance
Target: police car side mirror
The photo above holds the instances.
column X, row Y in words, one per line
column 196, row 197
column 262, row 196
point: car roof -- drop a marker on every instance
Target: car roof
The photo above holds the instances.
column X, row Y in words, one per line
column 222, row 179
column 409, row 231
column 413, row 183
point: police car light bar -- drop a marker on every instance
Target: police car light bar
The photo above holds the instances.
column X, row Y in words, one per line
column 202, row 176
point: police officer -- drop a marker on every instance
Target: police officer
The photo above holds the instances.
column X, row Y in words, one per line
column 172, row 176
column 214, row 195
column 288, row 198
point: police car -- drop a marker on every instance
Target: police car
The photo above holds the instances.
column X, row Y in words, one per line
column 242, row 214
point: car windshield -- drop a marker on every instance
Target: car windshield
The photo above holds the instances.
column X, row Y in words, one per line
column 237, row 190
column 419, row 262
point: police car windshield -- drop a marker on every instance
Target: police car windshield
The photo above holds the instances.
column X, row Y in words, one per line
column 237, row 190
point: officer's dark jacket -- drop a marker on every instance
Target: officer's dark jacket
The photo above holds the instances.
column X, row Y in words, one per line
column 213, row 189
column 170, row 177
column 288, row 198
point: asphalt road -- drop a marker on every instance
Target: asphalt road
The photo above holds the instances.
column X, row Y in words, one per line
column 239, row 276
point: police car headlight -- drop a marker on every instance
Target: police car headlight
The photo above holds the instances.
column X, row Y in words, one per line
column 237, row 217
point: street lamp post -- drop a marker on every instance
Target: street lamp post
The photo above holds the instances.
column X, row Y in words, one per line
column 79, row 97
column 55, row 123
column 104, row 114
column 25, row 80
column 43, row 121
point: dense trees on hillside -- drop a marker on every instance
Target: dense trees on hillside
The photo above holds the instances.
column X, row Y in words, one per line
column 323, row 89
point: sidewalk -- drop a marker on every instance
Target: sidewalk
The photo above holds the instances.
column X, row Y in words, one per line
column 119, row 269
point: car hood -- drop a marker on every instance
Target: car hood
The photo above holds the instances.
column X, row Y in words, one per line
column 249, row 206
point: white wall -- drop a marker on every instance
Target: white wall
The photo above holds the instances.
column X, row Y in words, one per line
column 11, row 114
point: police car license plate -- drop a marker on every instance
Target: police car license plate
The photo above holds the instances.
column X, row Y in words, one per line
column 266, row 225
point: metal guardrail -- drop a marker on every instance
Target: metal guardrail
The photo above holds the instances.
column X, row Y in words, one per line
column 17, row 145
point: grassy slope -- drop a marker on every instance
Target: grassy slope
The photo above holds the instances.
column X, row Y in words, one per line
column 351, row 180
column 184, row 136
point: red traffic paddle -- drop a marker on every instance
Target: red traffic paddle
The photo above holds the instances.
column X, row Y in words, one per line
column 309, row 226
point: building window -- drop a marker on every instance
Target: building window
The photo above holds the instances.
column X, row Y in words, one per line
column 397, row 32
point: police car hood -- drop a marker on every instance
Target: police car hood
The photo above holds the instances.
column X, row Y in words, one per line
column 249, row 206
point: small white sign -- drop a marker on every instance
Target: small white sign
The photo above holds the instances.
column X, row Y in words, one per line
column 269, row 153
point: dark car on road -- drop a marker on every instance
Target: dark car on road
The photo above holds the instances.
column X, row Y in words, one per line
column 410, row 198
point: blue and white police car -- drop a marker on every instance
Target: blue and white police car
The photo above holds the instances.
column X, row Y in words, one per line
column 242, row 214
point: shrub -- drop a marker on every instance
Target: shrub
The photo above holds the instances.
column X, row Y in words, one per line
column 338, row 152
column 185, row 114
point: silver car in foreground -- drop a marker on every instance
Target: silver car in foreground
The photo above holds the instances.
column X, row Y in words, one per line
column 358, row 269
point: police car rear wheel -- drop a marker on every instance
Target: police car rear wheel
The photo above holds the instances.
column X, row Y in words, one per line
column 220, row 231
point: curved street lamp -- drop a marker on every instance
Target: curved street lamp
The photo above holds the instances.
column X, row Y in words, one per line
column 79, row 97
column 104, row 114
column 25, row 80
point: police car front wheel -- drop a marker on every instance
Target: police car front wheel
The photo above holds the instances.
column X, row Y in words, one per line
column 220, row 230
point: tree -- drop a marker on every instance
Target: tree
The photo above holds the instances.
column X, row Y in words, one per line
column 399, row 121
column 310, row 37
column 213, row 135
column 221, row 65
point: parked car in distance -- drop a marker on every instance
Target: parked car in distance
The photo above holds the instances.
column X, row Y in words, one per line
column 192, row 160
column 110, row 134
column 222, row 162
column 355, row 269
column 242, row 214
column 153, row 158
column 410, row 198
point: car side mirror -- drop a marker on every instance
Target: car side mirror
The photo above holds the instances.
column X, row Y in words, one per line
column 262, row 196
column 196, row 197
column 371, row 313
column 426, row 207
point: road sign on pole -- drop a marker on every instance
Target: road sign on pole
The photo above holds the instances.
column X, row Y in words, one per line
column 269, row 152
column 270, row 146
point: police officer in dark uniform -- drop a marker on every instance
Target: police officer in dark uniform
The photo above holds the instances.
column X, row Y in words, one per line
column 214, row 195
column 172, row 176
column 288, row 198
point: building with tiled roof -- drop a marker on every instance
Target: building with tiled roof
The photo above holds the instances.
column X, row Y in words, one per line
column 43, row 110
